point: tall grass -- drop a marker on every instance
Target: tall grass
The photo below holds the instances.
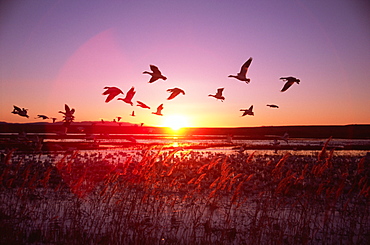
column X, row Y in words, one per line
column 185, row 198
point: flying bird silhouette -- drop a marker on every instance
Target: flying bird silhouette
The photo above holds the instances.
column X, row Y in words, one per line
column 218, row 95
column 132, row 114
column 289, row 82
column 248, row 111
column 242, row 75
column 159, row 110
column 111, row 92
column 142, row 105
column 156, row 74
column 22, row 112
column 272, row 106
column 42, row 116
column 174, row 92
column 119, row 118
column 68, row 117
column 129, row 95
column 68, row 114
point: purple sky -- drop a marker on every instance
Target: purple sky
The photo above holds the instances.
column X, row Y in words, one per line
column 65, row 52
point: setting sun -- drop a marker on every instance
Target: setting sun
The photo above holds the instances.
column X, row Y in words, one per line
column 176, row 122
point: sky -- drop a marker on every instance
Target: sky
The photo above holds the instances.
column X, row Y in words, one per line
column 54, row 53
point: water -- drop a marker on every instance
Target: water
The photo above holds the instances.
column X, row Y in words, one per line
column 116, row 143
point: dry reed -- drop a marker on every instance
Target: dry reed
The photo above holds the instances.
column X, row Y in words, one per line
column 186, row 198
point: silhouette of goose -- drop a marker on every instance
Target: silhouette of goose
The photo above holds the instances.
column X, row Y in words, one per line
column 159, row 110
column 248, row 111
column 142, row 105
column 218, row 95
column 132, row 114
column 42, row 116
column 156, row 74
column 68, row 114
column 21, row 112
column 111, row 92
column 242, row 75
column 129, row 95
column 289, row 82
column 272, row 106
column 174, row 92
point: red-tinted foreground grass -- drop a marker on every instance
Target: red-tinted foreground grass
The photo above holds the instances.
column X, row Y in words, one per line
column 185, row 198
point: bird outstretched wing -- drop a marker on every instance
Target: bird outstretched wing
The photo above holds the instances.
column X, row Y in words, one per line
column 219, row 91
column 141, row 104
column 245, row 66
column 16, row 108
column 155, row 69
column 174, row 92
column 287, row 85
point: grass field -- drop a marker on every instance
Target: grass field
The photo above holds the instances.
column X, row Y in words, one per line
column 185, row 197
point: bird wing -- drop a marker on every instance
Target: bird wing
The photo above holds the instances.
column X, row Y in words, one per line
column 219, row 91
column 285, row 78
column 173, row 95
column 130, row 94
column 107, row 91
column 66, row 107
column 159, row 109
column 250, row 108
column 289, row 79
column 141, row 104
column 17, row 108
column 175, row 92
column 153, row 79
column 112, row 90
column 245, row 66
column 110, row 97
column 155, row 69
column 287, row 85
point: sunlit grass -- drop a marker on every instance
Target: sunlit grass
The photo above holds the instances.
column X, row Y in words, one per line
column 186, row 197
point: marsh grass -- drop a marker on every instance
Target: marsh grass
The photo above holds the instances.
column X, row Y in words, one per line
column 185, row 198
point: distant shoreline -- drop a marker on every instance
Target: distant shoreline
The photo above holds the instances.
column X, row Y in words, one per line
column 352, row 131
column 94, row 136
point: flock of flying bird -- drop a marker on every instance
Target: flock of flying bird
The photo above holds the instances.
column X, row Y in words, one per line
column 156, row 74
